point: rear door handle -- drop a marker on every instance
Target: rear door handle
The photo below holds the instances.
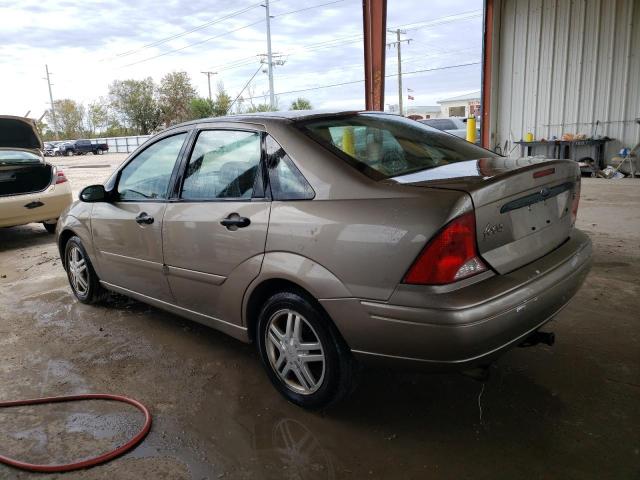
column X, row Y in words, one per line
column 144, row 219
column 235, row 221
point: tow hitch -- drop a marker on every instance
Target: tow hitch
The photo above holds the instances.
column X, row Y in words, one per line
column 548, row 338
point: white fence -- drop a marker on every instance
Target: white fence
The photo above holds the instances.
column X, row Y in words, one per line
column 123, row 144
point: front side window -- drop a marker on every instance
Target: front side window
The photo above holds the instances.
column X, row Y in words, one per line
column 224, row 164
column 287, row 183
column 384, row 146
column 147, row 176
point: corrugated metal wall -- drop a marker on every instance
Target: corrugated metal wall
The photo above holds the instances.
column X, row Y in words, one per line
column 563, row 65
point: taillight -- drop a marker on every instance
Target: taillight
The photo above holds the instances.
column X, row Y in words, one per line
column 575, row 201
column 450, row 256
column 60, row 178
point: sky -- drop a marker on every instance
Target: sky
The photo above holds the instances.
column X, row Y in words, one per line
column 89, row 44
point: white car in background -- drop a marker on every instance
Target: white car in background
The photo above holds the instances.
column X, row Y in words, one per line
column 31, row 190
column 453, row 125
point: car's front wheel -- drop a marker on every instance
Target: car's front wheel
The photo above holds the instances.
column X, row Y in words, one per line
column 304, row 355
column 82, row 277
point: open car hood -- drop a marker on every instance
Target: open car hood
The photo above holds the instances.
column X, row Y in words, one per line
column 19, row 133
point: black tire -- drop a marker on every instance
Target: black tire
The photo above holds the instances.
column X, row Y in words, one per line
column 337, row 379
column 49, row 227
column 94, row 292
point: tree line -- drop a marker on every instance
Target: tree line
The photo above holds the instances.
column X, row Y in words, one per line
column 142, row 107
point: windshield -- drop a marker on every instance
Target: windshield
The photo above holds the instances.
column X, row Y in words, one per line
column 383, row 146
column 18, row 156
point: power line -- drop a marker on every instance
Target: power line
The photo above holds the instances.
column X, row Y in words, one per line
column 194, row 44
column 194, row 29
column 228, row 32
column 245, row 86
column 319, row 87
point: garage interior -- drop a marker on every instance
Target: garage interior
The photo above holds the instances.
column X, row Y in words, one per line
column 551, row 68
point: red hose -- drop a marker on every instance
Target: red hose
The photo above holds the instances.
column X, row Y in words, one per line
column 91, row 461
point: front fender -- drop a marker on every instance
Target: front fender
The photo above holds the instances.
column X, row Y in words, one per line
column 76, row 220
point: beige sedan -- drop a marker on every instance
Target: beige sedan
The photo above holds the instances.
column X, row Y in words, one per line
column 31, row 190
column 328, row 239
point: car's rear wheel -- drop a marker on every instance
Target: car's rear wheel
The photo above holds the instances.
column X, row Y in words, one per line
column 82, row 277
column 304, row 355
column 49, row 227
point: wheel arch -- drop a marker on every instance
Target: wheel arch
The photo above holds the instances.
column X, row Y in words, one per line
column 282, row 271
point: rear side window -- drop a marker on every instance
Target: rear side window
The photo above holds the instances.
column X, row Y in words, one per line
column 147, row 176
column 383, row 146
column 287, row 183
column 224, row 164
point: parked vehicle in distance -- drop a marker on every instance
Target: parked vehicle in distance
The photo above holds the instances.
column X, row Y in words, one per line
column 82, row 147
column 453, row 125
column 31, row 190
column 328, row 239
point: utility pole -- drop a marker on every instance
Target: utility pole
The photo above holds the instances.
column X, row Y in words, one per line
column 397, row 44
column 272, row 59
column 208, row 74
column 272, row 100
column 53, row 110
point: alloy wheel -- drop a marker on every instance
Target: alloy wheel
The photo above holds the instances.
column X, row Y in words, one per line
column 295, row 351
column 78, row 272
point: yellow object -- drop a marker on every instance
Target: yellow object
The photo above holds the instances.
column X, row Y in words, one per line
column 471, row 129
column 348, row 144
column 528, row 137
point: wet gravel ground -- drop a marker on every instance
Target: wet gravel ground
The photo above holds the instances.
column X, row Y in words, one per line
column 568, row 411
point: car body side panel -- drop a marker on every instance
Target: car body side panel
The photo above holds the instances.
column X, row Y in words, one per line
column 129, row 254
column 77, row 220
column 467, row 326
column 368, row 244
column 55, row 199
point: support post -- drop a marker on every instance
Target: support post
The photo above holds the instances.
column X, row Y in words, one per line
column 374, row 14
column 487, row 65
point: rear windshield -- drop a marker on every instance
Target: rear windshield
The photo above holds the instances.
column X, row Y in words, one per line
column 8, row 157
column 384, row 146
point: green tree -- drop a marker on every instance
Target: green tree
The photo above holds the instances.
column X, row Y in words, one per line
column 301, row 104
column 97, row 116
column 136, row 103
column 175, row 95
column 201, row 108
column 222, row 102
column 69, row 118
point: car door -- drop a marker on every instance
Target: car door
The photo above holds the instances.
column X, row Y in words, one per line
column 215, row 229
column 127, row 231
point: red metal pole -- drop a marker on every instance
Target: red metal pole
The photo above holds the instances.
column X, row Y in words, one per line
column 374, row 15
column 487, row 52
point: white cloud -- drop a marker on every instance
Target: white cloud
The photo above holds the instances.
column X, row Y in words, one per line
column 80, row 41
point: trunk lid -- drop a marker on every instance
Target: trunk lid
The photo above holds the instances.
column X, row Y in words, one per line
column 522, row 206
column 19, row 133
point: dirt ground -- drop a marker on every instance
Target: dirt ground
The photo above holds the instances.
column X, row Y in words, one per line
column 571, row 411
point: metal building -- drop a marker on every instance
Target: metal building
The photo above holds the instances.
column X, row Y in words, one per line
column 560, row 66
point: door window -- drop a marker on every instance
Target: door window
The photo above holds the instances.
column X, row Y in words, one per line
column 147, row 176
column 224, row 164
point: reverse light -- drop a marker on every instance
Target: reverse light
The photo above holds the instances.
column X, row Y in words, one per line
column 450, row 256
column 575, row 201
column 60, row 177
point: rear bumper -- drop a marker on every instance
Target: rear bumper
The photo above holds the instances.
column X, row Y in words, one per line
column 472, row 325
column 54, row 199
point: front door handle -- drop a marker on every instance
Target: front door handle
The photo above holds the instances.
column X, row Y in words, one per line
column 144, row 219
column 235, row 221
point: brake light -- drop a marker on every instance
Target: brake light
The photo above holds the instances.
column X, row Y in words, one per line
column 575, row 202
column 450, row 256
column 60, row 177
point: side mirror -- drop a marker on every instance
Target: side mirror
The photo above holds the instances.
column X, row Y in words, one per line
column 93, row 193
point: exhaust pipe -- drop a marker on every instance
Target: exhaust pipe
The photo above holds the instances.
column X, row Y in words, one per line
column 537, row 337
